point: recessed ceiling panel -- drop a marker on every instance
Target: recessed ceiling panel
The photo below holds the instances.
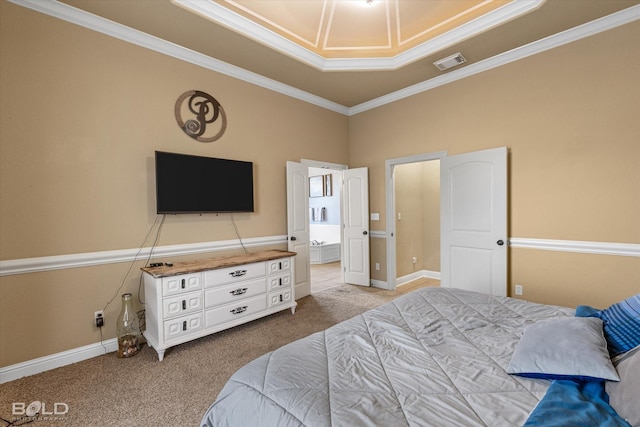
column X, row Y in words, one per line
column 300, row 21
column 419, row 21
column 355, row 26
column 353, row 29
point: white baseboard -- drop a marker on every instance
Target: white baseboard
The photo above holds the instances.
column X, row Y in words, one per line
column 408, row 278
column 378, row 284
column 417, row 275
column 32, row 265
column 41, row 364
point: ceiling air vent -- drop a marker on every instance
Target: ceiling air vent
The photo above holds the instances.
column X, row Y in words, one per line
column 450, row 61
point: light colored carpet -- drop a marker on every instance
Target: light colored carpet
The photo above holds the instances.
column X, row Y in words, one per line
column 141, row 391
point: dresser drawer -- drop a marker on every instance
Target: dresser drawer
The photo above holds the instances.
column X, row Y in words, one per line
column 283, row 297
column 239, row 309
column 222, row 276
column 279, row 282
column 278, row 265
column 236, row 291
column 180, row 326
column 182, row 304
column 192, row 299
column 183, row 283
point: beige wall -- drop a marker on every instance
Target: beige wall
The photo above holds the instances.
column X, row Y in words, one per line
column 409, row 218
column 569, row 118
column 417, row 200
column 82, row 113
column 431, row 215
column 81, row 117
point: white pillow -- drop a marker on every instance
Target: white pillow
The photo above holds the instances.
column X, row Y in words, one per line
column 564, row 348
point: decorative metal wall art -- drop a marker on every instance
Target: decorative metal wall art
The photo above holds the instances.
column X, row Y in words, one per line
column 201, row 111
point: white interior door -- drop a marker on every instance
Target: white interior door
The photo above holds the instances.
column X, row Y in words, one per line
column 298, row 225
column 356, row 226
column 474, row 221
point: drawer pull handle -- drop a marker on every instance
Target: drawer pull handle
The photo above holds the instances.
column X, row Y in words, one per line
column 280, row 265
column 184, row 304
column 184, row 325
column 238, row 273
column 238, row 291
column 239, row 310
column 280, row 280
column 183, row 284
column 281, row 299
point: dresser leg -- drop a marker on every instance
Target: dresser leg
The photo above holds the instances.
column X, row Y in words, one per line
column 160, row 355
column 293, row 310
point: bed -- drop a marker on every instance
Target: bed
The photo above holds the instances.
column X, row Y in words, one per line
column 433, row 357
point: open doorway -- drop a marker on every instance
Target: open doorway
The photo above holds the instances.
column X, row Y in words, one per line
column 325, row 246
column 417, row 219
column 413, row 200
column 354, row 224
column 473, row 220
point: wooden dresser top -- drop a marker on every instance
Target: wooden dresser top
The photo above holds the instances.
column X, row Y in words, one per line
column 215, row 263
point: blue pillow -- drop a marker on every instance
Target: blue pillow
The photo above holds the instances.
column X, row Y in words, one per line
column 621, row 324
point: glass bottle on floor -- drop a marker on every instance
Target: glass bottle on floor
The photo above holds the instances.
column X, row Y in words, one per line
column 127, row 329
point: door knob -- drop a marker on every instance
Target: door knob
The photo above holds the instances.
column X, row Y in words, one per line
column 365, row 233
column 500, row 242
column 293, row 238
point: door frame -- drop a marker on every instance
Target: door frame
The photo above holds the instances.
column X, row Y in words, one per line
column 336, row 167
column 390, row 164
column 323, row 165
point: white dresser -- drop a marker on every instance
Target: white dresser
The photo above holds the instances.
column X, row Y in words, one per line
column 192, row 299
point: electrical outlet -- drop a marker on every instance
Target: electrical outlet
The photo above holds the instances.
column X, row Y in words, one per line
column 98, row 319
column 518, row 289
column 414, row 260
column 377, row 266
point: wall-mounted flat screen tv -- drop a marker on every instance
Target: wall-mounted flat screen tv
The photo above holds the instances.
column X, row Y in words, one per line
column 196, row 184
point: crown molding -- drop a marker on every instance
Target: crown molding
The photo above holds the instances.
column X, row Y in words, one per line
column 236, row 22
column 93, row 22
column 585, row 30
column 87, row 20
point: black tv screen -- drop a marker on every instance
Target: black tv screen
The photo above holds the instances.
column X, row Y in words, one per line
column 196, row 184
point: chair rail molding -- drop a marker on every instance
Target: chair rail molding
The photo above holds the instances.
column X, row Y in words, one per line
column 60, row 262
column 598, row 248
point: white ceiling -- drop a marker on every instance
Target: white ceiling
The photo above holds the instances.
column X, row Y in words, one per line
column 342, row 54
